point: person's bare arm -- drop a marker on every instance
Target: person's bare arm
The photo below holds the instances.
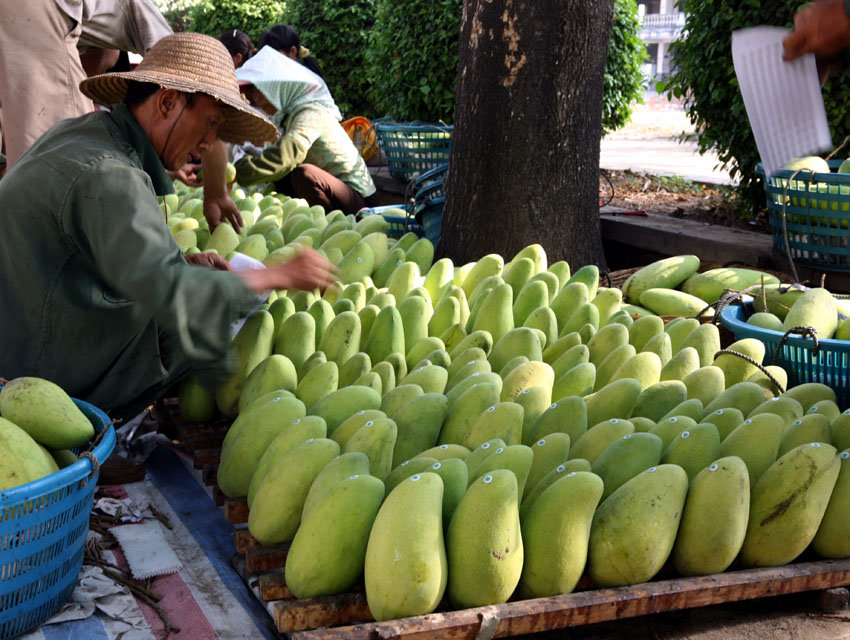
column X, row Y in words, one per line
column 307, row 271
column 218, row 205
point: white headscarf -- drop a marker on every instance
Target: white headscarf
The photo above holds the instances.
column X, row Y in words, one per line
column 287, row 84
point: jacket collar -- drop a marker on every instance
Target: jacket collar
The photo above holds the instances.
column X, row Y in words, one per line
column 141, row 144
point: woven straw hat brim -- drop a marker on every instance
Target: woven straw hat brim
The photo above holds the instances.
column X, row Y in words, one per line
column 192, row 63
column 242, row 122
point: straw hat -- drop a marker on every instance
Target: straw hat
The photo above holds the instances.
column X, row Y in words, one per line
column 193, row 63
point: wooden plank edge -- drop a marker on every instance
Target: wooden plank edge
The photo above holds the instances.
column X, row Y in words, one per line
column 600, row 605
column 325, row 611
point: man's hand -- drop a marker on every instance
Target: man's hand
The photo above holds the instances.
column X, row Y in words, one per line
column 221, row 208
column 306, row 271
column 188, row 175
column 822, row 28
column 209, row 260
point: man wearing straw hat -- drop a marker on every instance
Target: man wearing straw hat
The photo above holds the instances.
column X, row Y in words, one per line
column 96, row 295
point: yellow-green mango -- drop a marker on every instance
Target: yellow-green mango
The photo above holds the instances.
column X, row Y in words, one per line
column 643, row 330
column 810, row 393
column 692, row 409
column 605, row 341
column 706, row 340
column 726, row 420
column 322, row 313
column 634, row 529
column 744, row 396
column 645, row 367
column 437, row 276
column 556, row 534
column 247, row 440
column 484, row 542
column 555, row 349
column 714, row 521
column 195, row 402
column 408, row 468
column 420, row 349
column 579, row 354
column 297, row 432
column 455, row 476
column 832, row 540
column 386, row 335
column 566, row 415
column 496, row 314
column 534, row 402
column 501, row 420
column 530, row 374
column 275, row 372
column 421, row 253
column 667, row 273
column 465, row 411
column 737, row 369
column 318, row 382
column 376, row 438
column 446, row 314
column 341, row 338
column 694, row 449
column 840, row 431
column 786, row 408
column 340, row 468
column 548, row 453
column 657, row 400
column 343, row 403
column 815, row 308
column 518, row 341
column 415, row 313
column 296, row 338
column 669, row 429
column 756, row 441
column 826, row 408
column 710, row 285
column 405, row 566
column 481, row 339
column 353, row 368
column 616, row 359
column 518, row 272
column 276, row 510
column 252, row 344
column 679, row 329
column 532, row 296
column 562, row 270
column 481, row 365
column 578, row 381
column 705, row 383
column 490, row 265
column 585, row 316
column 567, row 467
column 597, row 438
column 614, row 400
column 22, row 459
column 626, row 457
column 432, row 378
column 766, row 320
column 788, row 504
column 812, row 427
column 348, row 427
column 446, row 451
column 516, row 458
column 608, row 302
column 419, row 422
column 479, row 454
column 642, row 424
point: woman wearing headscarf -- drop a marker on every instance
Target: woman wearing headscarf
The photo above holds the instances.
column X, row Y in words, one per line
column 314, row 158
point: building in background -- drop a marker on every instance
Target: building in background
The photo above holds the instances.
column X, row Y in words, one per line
column 661, row 23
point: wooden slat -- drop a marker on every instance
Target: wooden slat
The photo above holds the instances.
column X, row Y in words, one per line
column 265, row 558
column 218, row 496
column 327, row 611
column 205, row 457
column 205, row 440
column 600, row 605
column 272, row 586
column 209, row 474
column 235, row 510
column 242, row 540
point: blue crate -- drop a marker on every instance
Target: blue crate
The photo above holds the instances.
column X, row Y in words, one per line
column 830, row 366
column 430, row 216
column 398, row 225
column 817, row 216
column 414, row 147
column 43, row 528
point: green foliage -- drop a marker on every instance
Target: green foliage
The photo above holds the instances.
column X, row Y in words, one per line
column 413, row 58
column 176, row 12
column 337, row 32
column 704, row 75
column 623, row 68
column 213, row 17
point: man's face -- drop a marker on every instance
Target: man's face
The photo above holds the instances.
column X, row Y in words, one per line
column 194, row 131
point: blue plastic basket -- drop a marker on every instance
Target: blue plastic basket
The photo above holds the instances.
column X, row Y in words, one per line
column 43, row 528
column 830, row 366
column 817, row 216
column 398, row 225
column 430, row 216
column 414, row 147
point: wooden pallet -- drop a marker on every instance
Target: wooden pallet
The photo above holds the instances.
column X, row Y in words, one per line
column 346, row 615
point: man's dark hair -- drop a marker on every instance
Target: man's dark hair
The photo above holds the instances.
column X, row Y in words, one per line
column 138, row 92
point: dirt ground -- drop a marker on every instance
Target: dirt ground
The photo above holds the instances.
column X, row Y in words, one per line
column 656, row 126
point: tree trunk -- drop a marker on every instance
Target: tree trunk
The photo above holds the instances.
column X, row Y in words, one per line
column 524, row 165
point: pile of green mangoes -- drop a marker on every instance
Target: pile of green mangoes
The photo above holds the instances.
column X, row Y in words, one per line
column 782, row 308
column 500, row 428
column 39, row 425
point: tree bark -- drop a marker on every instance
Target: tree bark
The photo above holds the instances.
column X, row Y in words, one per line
column 524, row 165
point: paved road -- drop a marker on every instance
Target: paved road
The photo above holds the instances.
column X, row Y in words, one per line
column 648, row 143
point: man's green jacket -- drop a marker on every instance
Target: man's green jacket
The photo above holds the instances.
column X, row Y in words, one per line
column 95, row 294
